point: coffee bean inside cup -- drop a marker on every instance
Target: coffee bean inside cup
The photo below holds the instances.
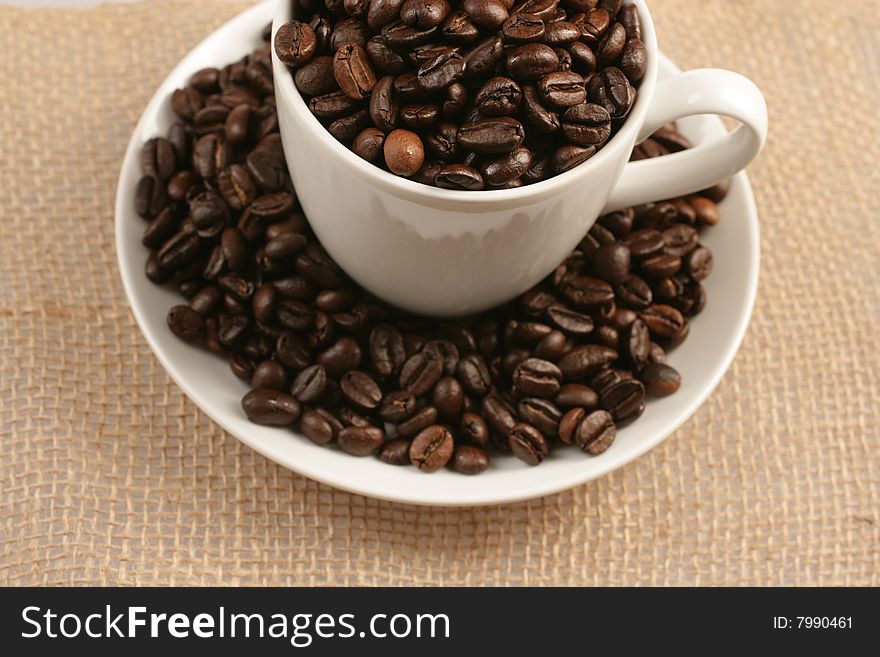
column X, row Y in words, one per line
column 562, row 367
column 464, row 94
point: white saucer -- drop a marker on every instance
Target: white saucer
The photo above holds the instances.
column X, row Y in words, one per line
column 206, row 379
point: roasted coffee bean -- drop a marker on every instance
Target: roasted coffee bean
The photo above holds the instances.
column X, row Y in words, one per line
column 531, row 61
column 187, row 102
column 634, row 293
column 271, row 407
column 523, row 28
column 384, row 107
column 320, row 428
column 698, row 263
column 317, row 267
column 680, row 239
column 506, row 168
column 499, row 96
column 150, row 197
column 401, row 36
column 316, row 78
column 368, row 144
column 186, row 323
column 636, row 343
column 491, row 136
column 714, row 194
column 663, row 321
column 575, row 394
column 269, row 374
column 587, row 292
column 541, row 413
column 470, row 460
column 404, row 152
column 158, row 158
column 586, row 124
column 344, row 355
column 584, row 360
column 634, row 60
column 611, row 262
column 569, row 423
column 448, row 398
column 420, row 372
column 482, row 58
column 537, row 378
column 498, row 414
column 361, row 440
column 570, row 321
column 562, row 89
column 623, row 398
column 660, row 380
column 348, row 127
column 424, row 13
column 543, row 9
column 561, row 33
column 432, row 448
column 527, row 443
column 398, row 406
column 474, row 374
column 647, row 243
column 569, row 156
column 442, row 69
column 611, row 47
column 353, row 72
column 160, row 229
column 660, row 266
column 206, row 301
column 486, row 14
column 295, row 43
column 447, row 352
column 459, row 176
column 386, row 350
column 383, row 58
column 473, row 430
column 418, row 421
column 179, row 251
column 629, row 16
column 552, row 346
column 418, row 116
column 310, row 384
column 360, row 389
column 595, row 433
column 232, row 329
column 610, row 89
column 395, row 452
column 237, row 287
column 348, row 32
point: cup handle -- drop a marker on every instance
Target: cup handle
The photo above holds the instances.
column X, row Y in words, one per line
column 701, row 91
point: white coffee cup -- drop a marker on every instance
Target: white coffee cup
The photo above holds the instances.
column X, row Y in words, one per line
column 443, row 252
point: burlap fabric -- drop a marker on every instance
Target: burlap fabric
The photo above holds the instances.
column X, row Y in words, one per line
column 109, row 475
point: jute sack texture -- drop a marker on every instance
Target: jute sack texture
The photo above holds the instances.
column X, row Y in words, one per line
column 109, row 475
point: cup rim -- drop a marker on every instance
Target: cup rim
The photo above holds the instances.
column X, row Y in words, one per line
column 401, row 186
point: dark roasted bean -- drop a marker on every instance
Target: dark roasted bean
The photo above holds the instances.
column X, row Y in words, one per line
column 271, row 407
column 361, row 440
column 295, row 43
column 537, row 378
column 395, row 452
column 421, row 419
column 470, row 460
column 527, row 443
column 432, row 448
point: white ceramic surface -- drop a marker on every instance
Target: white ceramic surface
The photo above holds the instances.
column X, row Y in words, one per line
column 443, row 253
column 207, row 381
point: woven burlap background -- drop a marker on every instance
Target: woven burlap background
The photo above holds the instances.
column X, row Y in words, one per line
column 109, row 475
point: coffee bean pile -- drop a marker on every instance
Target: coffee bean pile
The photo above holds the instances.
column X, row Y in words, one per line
column 467, row 94
column 566, row 363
